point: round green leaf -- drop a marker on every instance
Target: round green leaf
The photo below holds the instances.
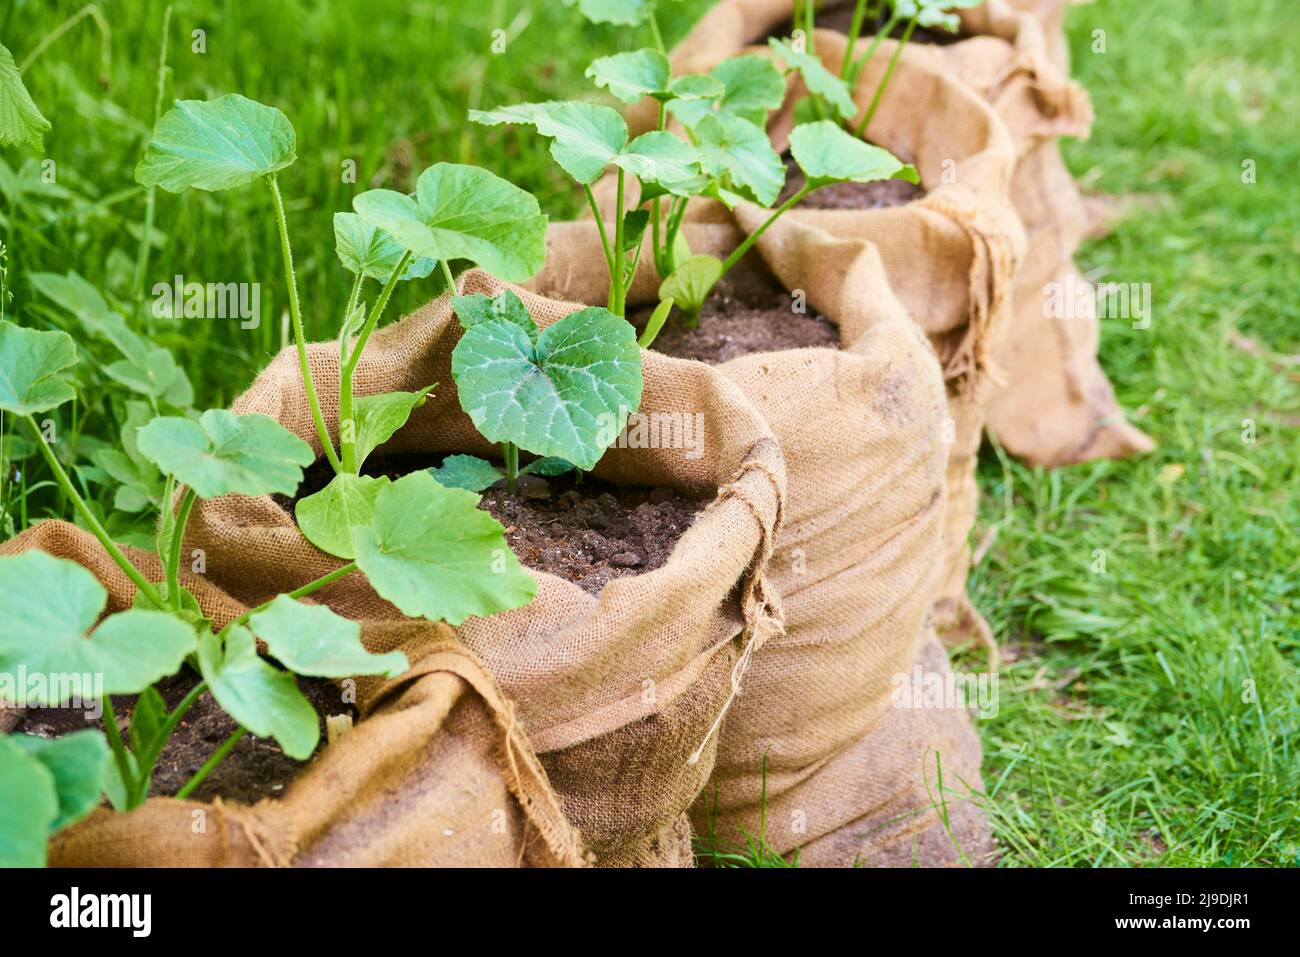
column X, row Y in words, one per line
column 663, row 160
column 48, row 604
column 216, row 145
column 371, row 252
column 328, row 517
column 739, row 153
column 30, row 361
column 29, row 806
column 567, row 396
column 754, row 87
column 631, row 76
column 466, row 471
column 225, row 454
column 263, row 699
column 819, row 80
column 477, row 307
column 312, row 640
column 20, row 119
column 76, row 761
column 431, row 552
column 463, row 212
column 827, row 154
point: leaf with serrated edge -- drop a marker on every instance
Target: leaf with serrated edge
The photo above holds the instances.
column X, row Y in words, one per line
column 478, row 307
column 313, row 640
column 30, row 363
column 740, row 153
column 363, row 249
column 216, row 145
column 819, row 80
column 327, row 518
column 633, row 75
column 434, row 554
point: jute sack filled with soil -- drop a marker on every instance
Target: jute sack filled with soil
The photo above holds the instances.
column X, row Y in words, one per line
column 861, row 422
column 618, row 690
column 437, row 772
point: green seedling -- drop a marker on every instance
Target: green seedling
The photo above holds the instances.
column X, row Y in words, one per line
column 425, row 548
column 561, row 393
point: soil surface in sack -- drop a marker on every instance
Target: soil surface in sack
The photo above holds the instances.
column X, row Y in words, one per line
column 748, row 311
column 876, row 195
column 581, row 529
column 255, row 768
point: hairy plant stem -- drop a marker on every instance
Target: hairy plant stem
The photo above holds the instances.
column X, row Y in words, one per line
column 347, row 426
column 299, row 337
column 96, row 529
column 884, row 80
column 217, row 757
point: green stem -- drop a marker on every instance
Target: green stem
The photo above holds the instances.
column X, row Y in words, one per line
column 884, row 80
column 616, row 268
column 658, row 37
column 299, row 337
column 300, row 592
column 96, row 529
column 217, row 757
column 173, row 564
column 855, row 30
column 347, row 434
column 147, row 761
column 885, row 31
column 150, row 197
column 752, row 238
column 600, row 226
column 510, row 452
column 353, row 299
column 119, row 751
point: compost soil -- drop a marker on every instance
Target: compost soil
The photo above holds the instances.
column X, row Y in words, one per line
column 255, row 768
column 579, row 528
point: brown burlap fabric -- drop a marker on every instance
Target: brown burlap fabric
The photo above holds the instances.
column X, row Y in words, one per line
column 619, row 693
column 438, row 772
column 863, row 430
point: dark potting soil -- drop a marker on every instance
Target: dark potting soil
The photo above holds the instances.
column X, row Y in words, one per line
column 877, row 195
column 584, row 530
column 255, row 768
column 747, row 312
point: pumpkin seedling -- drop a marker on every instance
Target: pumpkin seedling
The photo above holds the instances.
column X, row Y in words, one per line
column 561, row 393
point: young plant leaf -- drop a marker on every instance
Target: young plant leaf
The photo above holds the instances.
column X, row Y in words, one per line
column 20, row 119
column 819, row 80
column 568, row 394
column 691, row 283
column 466, row 471
column 828, row 154
column 752, row 87
column 29, row 806
column 463, row 212
column 224, row 453
column 626, row 13
column 547, row 467
column 147, row 719
column 30, row 362
column 76, row 762
column 371, row 252
column 661, row 159
column 263, row 699
column 741, row 156
column 695, row 86
column 312, row 640
column 48, row 604
column 378, row 417
column 328, row 517
column 216, row 145
column 631, row 76
column 477, row 307
column 431, row 552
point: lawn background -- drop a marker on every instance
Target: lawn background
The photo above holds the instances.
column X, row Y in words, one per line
column 1148, row 714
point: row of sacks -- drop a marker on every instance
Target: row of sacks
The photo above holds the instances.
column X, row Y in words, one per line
column 753, row 680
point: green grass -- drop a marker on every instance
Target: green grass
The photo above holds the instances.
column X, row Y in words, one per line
column 1123, row 736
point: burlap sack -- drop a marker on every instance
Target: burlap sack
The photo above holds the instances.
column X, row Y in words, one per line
column 859, row 555
column 438, row 772
column 618, row 693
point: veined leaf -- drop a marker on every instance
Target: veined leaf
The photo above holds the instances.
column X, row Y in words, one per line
column 586, row 137
column 466, row 471
column 819, row 80
column 364, row 249
column 30, row 362
column 263, row 699
column 327, row 518
column 216, row 145
column 225, row 454
column 463, row 212
column 378, row 417
column 661, row 159
column 48, row 604
column 477, row 307
column 631, row 76
column 752, row 87
column 431, row 552
column 739, row 153
column 313, row 640
column 827, row 154
column 20, row 119
column 76, row 762
column 567, row 395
